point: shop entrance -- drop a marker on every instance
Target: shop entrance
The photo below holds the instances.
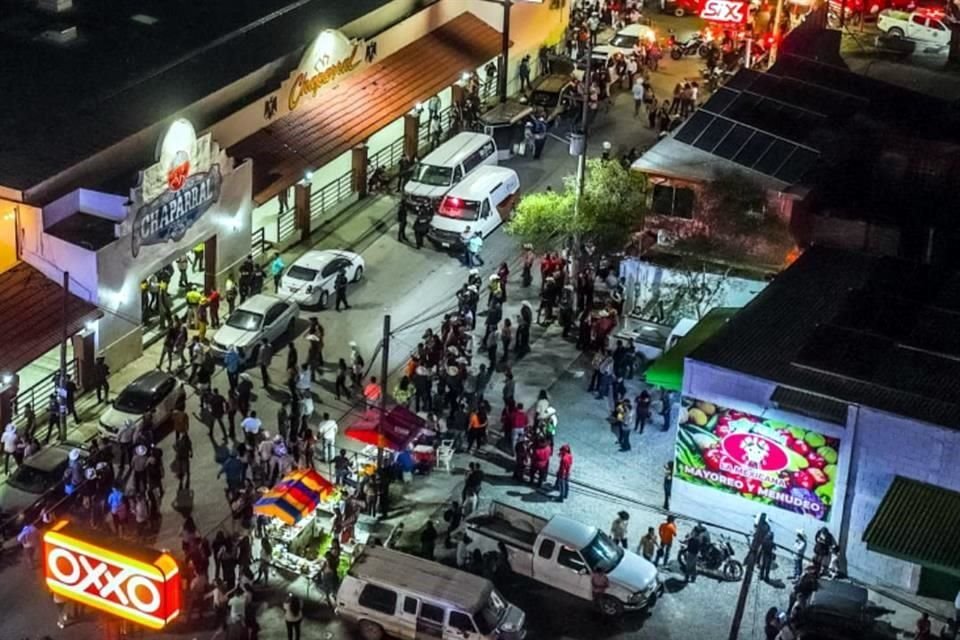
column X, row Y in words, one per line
column 163, row 294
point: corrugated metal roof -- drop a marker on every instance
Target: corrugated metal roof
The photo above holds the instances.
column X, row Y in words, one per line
column 768, row 336
column 365, row 102
column 32, row 320
column 810, row 404
column 918, row 522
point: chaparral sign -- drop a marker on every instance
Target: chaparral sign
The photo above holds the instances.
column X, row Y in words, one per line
column 144, row 589
column 331, row 56
column 176, row 191
column 727, row 11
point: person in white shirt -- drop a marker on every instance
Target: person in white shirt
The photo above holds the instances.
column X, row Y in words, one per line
column 237, row 606
column 328, row 432
column 638, row 93
column 9, row 440
column 251, row 428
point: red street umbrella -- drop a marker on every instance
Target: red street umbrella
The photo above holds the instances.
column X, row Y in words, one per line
column 369, row 436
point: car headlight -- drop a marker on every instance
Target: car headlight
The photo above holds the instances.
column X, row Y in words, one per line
column 509, row 627
column 638, row 597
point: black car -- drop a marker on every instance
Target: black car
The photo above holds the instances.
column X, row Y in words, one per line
column 37, row 483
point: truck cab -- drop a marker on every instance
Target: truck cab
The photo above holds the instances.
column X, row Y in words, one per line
column 564, row 554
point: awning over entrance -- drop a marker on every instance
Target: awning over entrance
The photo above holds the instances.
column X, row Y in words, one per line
column 365, row 102
column 32, row 320
column 918, row 522
column 667, row 370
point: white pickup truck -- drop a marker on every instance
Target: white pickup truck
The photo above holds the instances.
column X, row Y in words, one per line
column 920, row 26
column 563, row 554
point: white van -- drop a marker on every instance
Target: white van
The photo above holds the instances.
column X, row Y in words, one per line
column 483, row 201
column 388, row 593
column 447, row 165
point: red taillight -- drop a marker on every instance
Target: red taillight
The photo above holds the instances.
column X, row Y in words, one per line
column 451, row 206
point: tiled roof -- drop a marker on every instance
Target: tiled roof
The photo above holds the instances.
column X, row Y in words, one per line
column 918, row 522
column 800, row 333
column 32, row 320
column 365, row 102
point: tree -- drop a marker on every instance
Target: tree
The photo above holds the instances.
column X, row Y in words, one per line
column 733, row 204
column 613, row 205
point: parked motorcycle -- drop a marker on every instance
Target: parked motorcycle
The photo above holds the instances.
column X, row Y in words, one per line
column 696, row 44
column 714, row 78
column 716, row 557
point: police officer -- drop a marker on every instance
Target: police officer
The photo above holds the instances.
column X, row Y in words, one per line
column 340, row 288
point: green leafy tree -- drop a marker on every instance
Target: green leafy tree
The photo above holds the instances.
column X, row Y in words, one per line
column 613, row 205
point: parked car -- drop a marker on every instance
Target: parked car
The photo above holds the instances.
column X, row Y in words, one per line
column 309, row 280
column 260, row 316
column 563, row 553
column 552, row 93
column 920, row 26
column 603, row 56
column 387, row 593
column 154, row 392
column 625, row 40
column 838, row 610
column 37, row 483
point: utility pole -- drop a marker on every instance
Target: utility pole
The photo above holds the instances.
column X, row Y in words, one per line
column 504, row 50
column 64, row 337
column 592, row 25
column 759, row 532
column 384, row 372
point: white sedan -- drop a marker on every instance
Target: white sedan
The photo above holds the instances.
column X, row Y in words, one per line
column 260, row 317
column 626, row 40
column 309, row 281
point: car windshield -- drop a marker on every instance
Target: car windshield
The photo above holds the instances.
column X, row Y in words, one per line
column 245, row 320
column 622, row 41
column 545, row 98
column 602, row 553
column 302, row 273
column 489, row 617
column 133, row 401
column 458, row 209
column 32, row 480
column 433, row 175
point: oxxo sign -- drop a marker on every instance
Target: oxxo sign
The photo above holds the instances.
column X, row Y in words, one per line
column 143, row 589
column 727, row 11
column 331, row 56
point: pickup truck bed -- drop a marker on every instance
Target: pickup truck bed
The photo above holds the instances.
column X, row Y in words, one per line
column 501, row 529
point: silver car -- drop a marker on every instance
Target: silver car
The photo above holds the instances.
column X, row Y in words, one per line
column 260, row 316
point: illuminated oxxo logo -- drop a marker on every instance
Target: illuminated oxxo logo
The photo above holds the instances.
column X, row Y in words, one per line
column 143, row 589
column 724, row 11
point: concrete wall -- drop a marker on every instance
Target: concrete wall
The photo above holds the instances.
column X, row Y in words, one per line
column 888, row 446
column 51, row 256
column 752, row 395
column 875, row 448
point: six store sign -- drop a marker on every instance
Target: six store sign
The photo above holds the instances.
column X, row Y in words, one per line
column 726, row 11
column 144, row 589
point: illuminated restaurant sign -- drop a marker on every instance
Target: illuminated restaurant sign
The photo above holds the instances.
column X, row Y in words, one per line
column 727, row 11
column 144, row 589
column 331, row 56
column 176, row 191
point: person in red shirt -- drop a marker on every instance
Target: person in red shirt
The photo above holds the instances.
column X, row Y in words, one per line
column 213, row 301
column 519, row 427
column 540, row 462
column 563, row 472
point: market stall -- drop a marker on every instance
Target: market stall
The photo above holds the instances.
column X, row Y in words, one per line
column 302, row 517
column 402, row 430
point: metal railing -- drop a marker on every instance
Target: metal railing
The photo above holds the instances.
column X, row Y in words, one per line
column 423, row 136
column 38, row 395
column 389, row 156
column 286, row 224
column 331, row 194
column 258, row 243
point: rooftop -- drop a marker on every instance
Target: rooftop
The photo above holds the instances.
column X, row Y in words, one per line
column 132, row 64
column 873, row 331
column 85, row 230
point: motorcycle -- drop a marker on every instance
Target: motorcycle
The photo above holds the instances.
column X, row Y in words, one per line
column 714, row 78
column 697, row 44
column 716, row 557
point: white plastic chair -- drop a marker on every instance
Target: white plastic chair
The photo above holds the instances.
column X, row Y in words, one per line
column 445, row 454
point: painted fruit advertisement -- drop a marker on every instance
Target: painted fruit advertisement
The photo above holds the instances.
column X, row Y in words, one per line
column 767, row 461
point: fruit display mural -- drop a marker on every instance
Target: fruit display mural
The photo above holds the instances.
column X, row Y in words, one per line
column 767, row 461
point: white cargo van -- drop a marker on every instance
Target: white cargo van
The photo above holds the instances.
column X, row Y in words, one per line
column 388, row 593
column 483, row 201
column 447, row 165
